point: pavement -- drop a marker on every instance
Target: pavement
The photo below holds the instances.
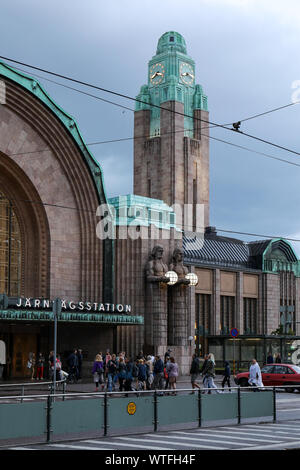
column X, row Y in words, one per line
column 86, row 385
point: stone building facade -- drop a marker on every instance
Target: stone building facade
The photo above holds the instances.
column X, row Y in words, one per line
column 50, row 189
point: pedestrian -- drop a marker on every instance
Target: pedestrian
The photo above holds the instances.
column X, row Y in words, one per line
column 50, row 365
column 79, row 368
column 226, row 378
column 168, row 355
column 158, row 370
column 150, row 377
column 209, row 373
column 278, row 359
column 40, row 367
column 195, row 372
column 129, row 375
column 98, row 371
column 121, row 373
column 33, row 364
column 270, row 359
column 140, row 355
column 202, row 369
column 166, row 375
column 72, row 362
column 135, row 373
column 255, row 378
column 57, row 368
column 142, row 375
column 172, row 370
column 111, row 373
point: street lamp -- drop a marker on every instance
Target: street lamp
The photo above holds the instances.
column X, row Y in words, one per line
column 173, row 278
column 193, row 278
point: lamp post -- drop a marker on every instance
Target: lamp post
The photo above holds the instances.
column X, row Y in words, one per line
column 56, row 308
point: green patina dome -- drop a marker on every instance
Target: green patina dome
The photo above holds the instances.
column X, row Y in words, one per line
column 171, row 40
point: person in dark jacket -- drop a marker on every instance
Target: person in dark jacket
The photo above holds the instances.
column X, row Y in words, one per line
column 195, row 371
column 270, row 359
column 142, row 375
column 158, row 371
column 278, row 359
column 226, row 378
column 73, row 365
column 129, row 374
column 111, row 368
column 121, row 374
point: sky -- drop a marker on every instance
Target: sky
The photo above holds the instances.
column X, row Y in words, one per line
column 247, row 60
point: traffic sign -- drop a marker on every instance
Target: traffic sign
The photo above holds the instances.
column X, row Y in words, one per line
column 234, row 332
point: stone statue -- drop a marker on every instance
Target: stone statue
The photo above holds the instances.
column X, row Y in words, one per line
column 156, row 268
column 156, row 317
column 177, row 266
column 178, row 302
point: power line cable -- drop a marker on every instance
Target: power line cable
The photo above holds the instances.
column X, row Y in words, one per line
column 151, row 105
column 147, row 136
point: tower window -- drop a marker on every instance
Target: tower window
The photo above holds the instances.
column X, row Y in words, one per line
column 171, row 38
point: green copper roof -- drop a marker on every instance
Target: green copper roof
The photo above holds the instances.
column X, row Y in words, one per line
column 171, row 41
column 137, row 210
column 279, row 255
column 33, row 86
column 171, row 77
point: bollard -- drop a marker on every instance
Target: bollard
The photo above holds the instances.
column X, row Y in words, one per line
column 155, row 422
column 49, row 407
column 239, row 405
column 105, row 425
column 274, row 404
column 199, row 409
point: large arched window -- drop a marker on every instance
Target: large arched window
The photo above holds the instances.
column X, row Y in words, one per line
column 10, row 249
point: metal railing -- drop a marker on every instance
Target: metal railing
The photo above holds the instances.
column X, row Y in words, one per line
column 67, row 414
column 25, row 385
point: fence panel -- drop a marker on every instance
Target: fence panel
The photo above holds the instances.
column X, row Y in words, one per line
column 77, row 416
column 130, row 412
column 177, row 409
column 219, row 406
column 256, row 404
column 23, row 420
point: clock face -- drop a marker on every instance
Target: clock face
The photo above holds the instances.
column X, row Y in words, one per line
column 157, row 73
column 187, row 73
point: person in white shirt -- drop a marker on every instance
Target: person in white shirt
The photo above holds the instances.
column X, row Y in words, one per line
column 255, row 378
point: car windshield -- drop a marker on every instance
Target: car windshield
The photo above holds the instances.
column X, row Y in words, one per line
column 296, row 369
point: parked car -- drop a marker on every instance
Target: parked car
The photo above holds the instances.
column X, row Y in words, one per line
column 274, row 375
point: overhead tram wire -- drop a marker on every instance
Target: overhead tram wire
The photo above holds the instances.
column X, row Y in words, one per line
column 147, row 136
column 151, row 105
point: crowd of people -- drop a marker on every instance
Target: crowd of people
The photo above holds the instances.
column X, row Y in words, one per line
column 112, row 372
column 39, row 369
column 119, row 372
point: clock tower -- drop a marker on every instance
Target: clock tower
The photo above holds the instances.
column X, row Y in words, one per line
column 171, row 144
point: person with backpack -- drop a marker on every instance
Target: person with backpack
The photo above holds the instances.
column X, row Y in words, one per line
column 195, row 372
column 226, row 378
column 98, row 371
column 121, row 373
column 158, row 373
column 142, row 375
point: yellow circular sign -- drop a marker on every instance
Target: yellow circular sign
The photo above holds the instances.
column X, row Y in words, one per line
column 131, row 408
